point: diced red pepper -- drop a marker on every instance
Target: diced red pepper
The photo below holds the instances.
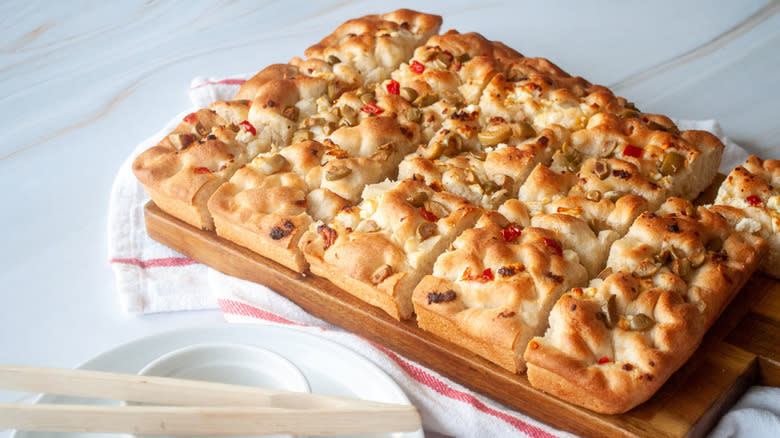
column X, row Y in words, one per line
column 510, row 233
column 190, row 118
column 632, row 151
column 393, row 87
column 466, row 273
column 249, row 128
column 372, row 108
column 555, row 245
column 753, row 200
column 417, row 67
column 427, row 215
column 202, row 170
column 487, row 275
column 604, row 360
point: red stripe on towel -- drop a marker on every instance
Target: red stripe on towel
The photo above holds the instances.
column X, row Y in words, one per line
column 238, row 308
column 155, row 263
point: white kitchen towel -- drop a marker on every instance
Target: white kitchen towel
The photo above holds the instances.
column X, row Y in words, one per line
column 153, row 278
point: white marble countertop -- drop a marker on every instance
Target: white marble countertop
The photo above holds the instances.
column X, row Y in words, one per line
column 81, row 83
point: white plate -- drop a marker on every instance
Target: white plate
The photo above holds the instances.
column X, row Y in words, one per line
column 330, row 368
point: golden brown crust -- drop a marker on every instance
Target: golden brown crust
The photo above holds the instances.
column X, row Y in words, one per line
column 612, row 345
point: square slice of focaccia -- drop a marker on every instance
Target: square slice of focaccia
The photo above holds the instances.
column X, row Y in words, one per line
column 610, row 346
column 380, row 249
column 652, row 153
column 268, row 203
column 486, row 176
column 187, row 166
column 749, row 198
column 271, row 201
column 491, row 292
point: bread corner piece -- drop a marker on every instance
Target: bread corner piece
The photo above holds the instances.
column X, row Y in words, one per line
column 749, row 198
column 611, row 346
column 380, row 249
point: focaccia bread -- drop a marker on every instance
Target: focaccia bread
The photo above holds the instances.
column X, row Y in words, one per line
column 450, row 176
column 610, row 346
column 380, row 249
column 492, row 290
column 749, row 198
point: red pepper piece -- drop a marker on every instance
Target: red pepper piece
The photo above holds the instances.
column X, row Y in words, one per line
column 427, row 215
column 510, row 233
column 604, row 360
column 487, row 275
column 393, row 87
column 248, row 126
column 190, row 118
column 417, row 67
column 372, row 108
column 632, row 151
column 753, row 200
column 555, row 245
column 202, row 170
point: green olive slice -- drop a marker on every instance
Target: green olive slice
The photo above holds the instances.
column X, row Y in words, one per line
column 381, row 273
column 335, row 173
column 672, row 164
column 646, row 268
column 426, row 230
column 593, row 195
column 641, row 322
column 601, row 169
column 418, row 199
column 495, row 134
column 291, row 112
column 414, row 114
column 425, row 100
column 523, row 130
column 409, row 94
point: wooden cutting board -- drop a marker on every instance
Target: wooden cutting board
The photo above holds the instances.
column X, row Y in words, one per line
column 740, row 350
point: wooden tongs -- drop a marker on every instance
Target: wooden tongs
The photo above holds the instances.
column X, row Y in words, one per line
column 188, row 407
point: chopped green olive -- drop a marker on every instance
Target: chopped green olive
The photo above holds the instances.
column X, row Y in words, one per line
column 523, row 130
column 641, row 322
column 601, row 169
column 408, row 93
column 495, row 134
column 672, row 164
column 337, row 172
column 426, row 230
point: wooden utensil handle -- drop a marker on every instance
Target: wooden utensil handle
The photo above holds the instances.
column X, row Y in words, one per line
column 179, row 420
